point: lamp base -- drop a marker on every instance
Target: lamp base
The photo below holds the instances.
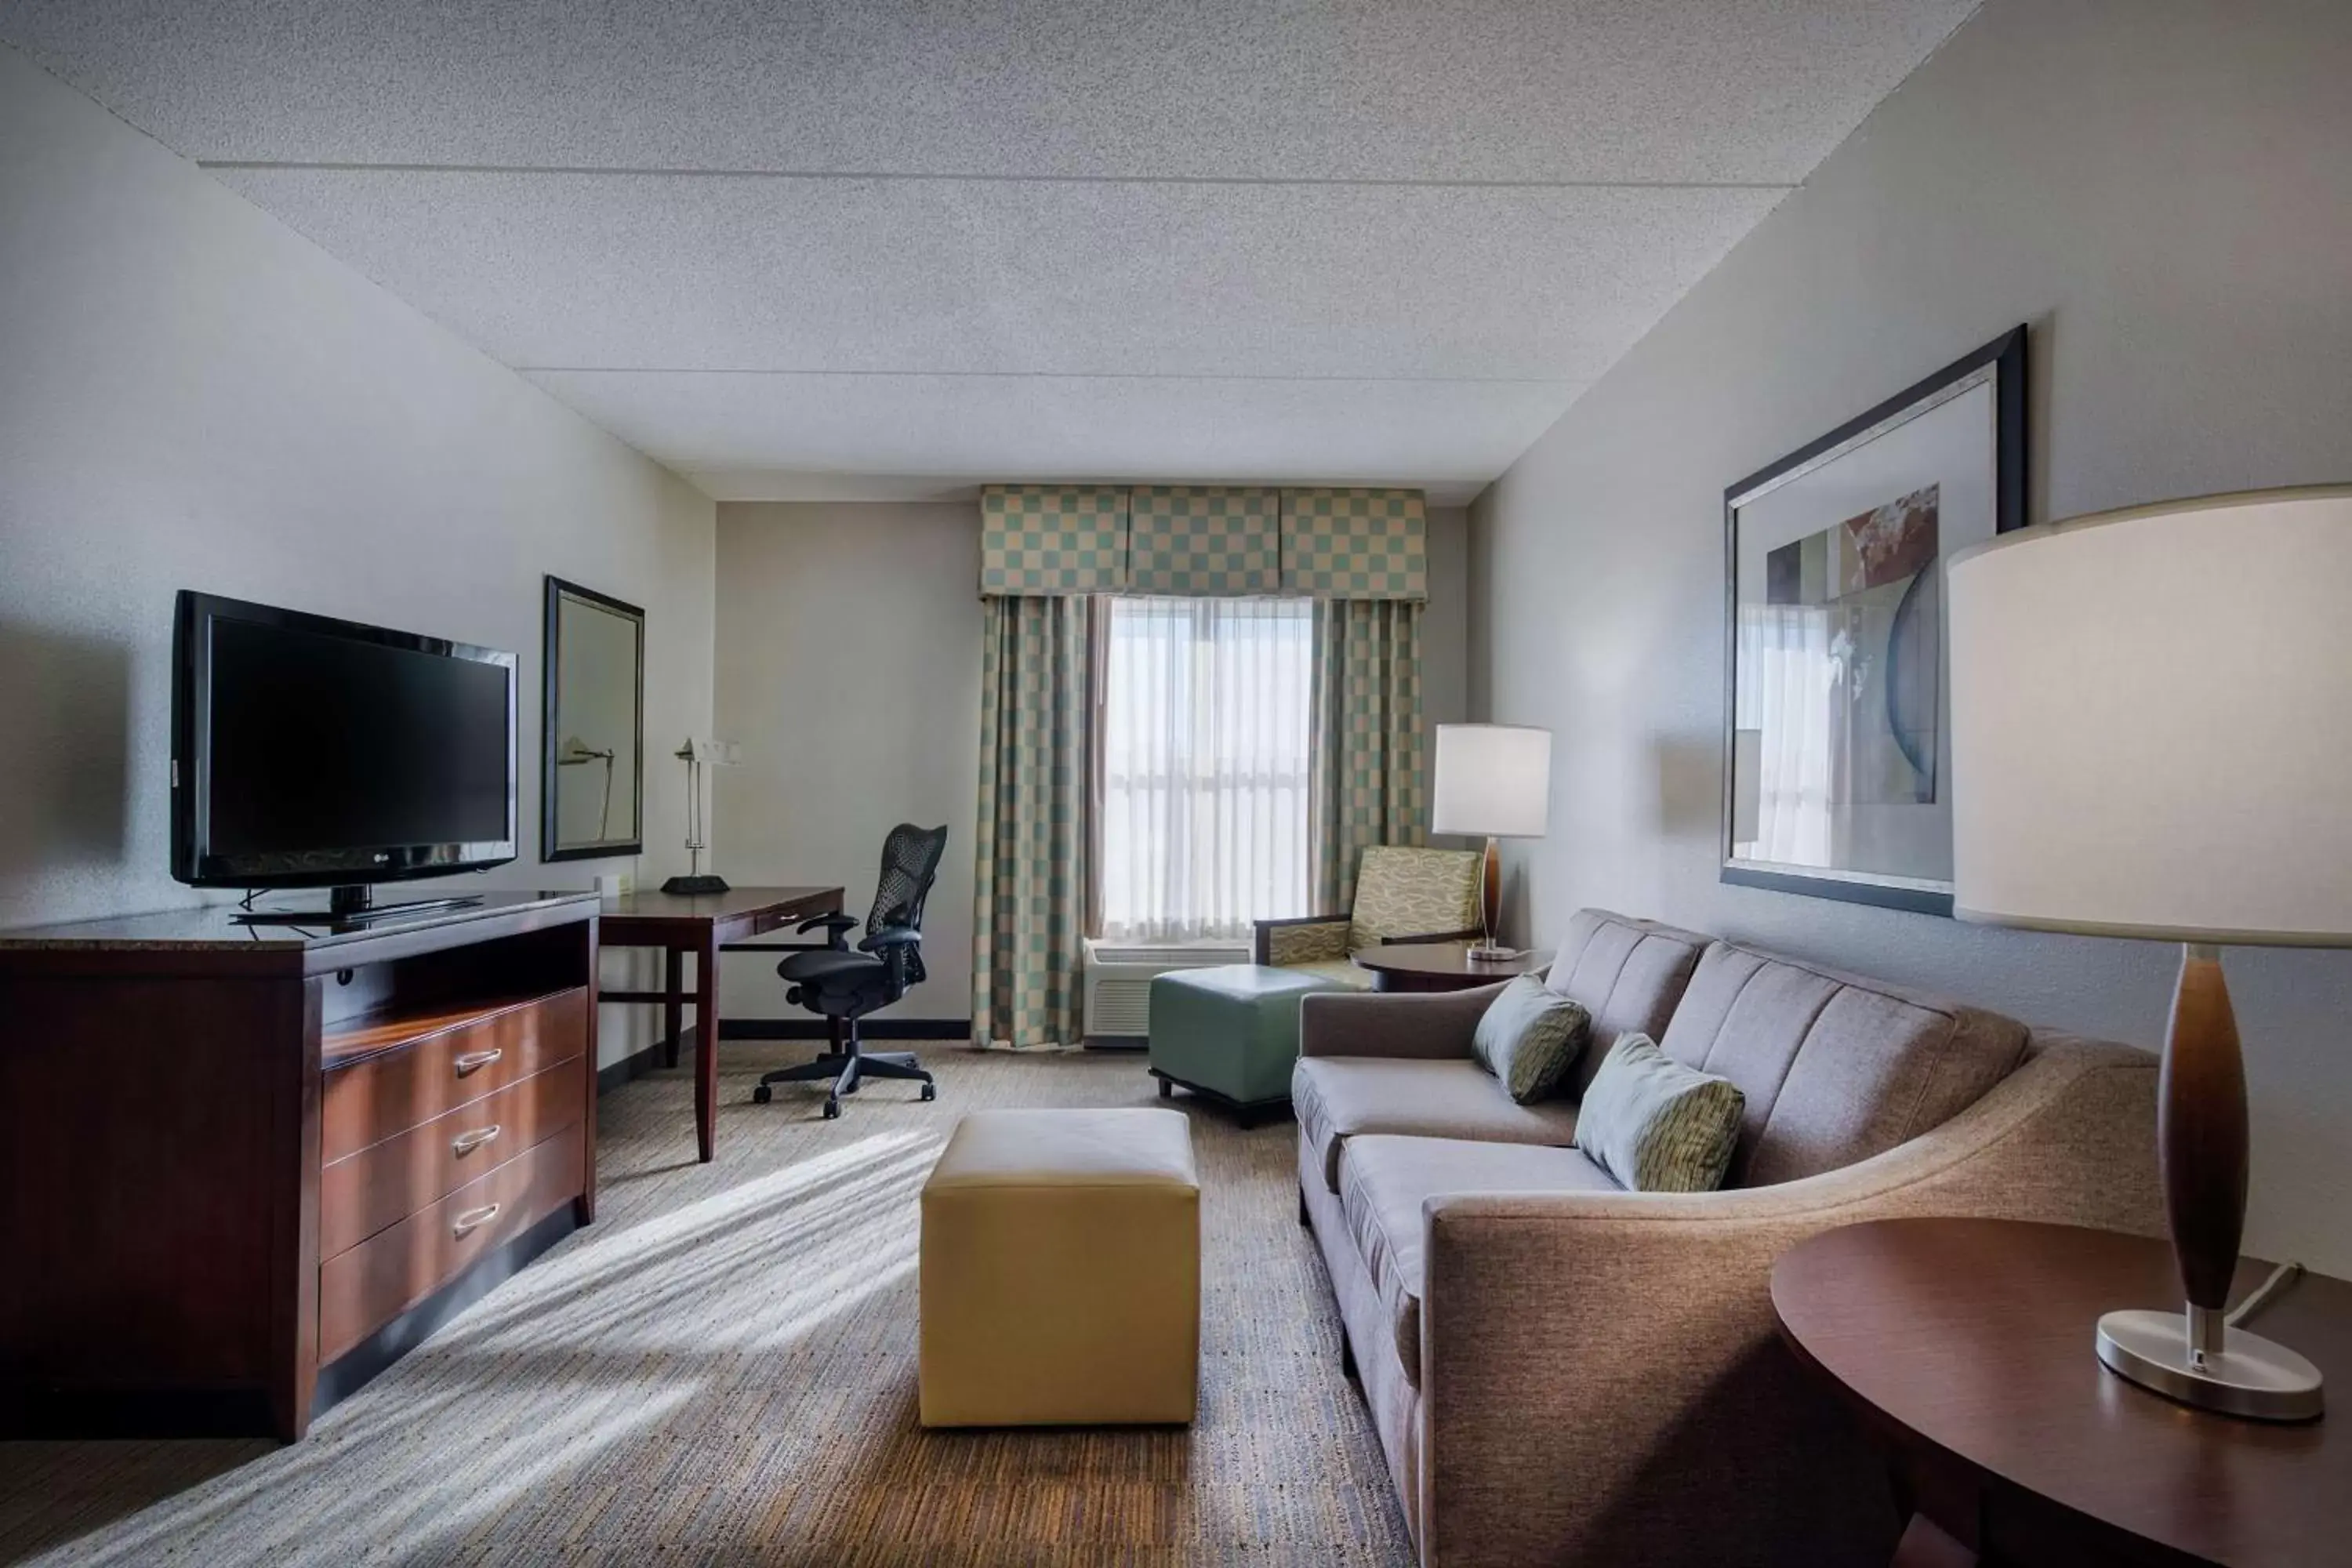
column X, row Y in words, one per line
column 2252, row 1376
column 1490, row 953
column 695, row 887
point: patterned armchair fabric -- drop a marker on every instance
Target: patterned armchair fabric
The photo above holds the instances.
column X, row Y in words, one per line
column 1400, row 894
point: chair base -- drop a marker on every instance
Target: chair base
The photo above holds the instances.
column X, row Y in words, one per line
column 845, row 1069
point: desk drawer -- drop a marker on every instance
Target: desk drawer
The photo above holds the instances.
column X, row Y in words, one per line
column 369, row 1285
column 362, row 1194
column 380, row 1096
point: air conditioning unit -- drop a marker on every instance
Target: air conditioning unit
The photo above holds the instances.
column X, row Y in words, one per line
column 1118, row 980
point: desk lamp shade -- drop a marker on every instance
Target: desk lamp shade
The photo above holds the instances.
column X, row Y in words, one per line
column 2152, row 737
column 1494, row 781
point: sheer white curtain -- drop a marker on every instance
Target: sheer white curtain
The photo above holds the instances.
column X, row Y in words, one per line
column 1205, row 766
column 1788, row 670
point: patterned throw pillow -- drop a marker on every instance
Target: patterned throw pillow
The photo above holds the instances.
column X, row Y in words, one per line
column 1656, row 1125
column 1528, row 1038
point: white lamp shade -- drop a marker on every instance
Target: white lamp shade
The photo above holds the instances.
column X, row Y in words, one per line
column 1494, row 781
column 2152, row 723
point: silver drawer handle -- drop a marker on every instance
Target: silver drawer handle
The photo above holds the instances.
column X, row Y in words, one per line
column 470, row 1060
column 466, row 1142
column 473, row 1220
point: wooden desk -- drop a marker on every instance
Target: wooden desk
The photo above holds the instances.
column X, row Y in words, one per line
column 701, row 926
column 1439, row 966
column 1966, row 1348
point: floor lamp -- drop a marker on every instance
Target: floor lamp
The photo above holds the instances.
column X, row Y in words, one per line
column 1493, row 782
column 2152, row 737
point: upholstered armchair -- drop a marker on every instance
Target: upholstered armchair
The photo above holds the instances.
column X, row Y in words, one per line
column 1401, row 895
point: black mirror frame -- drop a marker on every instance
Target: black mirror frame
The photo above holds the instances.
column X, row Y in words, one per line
column 550, row 647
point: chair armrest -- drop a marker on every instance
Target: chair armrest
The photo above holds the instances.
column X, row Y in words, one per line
column 1600, row 1368
column 836, row 925
column 1430, row 1025
column 1264, row 939
column 1470, row 935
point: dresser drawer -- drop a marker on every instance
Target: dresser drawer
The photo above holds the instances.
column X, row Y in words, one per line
column 379, row 1096
column 367, row 1286
column 362, row 1194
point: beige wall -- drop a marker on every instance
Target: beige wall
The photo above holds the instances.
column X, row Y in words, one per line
column 848, row 669
column 2164, row 190
column 193, row 396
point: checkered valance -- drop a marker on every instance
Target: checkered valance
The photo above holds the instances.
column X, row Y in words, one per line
column 1203, row 541
column 1355, row 544
column 1053, row 539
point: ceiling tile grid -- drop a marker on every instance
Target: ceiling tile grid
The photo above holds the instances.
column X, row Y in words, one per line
column 1357, row 240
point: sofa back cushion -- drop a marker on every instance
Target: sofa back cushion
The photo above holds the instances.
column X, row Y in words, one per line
column 1835, row 1068
column 1628, row 974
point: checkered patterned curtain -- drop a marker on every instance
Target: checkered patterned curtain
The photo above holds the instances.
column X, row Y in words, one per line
column 1203, row 541
column 1369, row 782
column 1037, row 735
column 1053, row 539
column 1355, row 544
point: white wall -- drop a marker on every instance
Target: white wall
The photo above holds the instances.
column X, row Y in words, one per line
column 192, row 395
column 848, row 669
column 2163, row 189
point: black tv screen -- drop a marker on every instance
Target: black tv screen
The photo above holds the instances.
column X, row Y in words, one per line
column 309, row 750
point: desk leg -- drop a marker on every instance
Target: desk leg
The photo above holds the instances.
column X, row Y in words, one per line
column 673, row 994
column 706, row 1040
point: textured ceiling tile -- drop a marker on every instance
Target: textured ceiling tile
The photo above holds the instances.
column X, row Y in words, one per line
column 1069, row 427
column 1579, row 89
column 636, row 271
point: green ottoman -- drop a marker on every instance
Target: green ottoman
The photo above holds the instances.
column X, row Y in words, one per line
column 1230, row 1033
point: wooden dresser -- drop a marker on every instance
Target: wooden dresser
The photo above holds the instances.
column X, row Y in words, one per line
column 242, row 1168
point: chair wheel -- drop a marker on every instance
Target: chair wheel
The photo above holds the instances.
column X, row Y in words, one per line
column 832, row 1108
column 761, row 1094
column 931, row 1092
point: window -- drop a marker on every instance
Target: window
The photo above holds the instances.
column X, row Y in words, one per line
column 1204, row 770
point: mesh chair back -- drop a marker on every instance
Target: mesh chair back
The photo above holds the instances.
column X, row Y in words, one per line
column 910, row 859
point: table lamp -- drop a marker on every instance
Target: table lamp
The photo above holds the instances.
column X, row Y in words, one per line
column 694, row 754
column 1494, row 781
column 2151, row 732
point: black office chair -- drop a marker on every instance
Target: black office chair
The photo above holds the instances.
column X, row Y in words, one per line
column 845, row 986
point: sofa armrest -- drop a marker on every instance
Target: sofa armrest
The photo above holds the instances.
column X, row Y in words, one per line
column 1432, row 1026
column 1601, row 1369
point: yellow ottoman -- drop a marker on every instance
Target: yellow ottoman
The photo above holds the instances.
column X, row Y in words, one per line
column 1061, row 1272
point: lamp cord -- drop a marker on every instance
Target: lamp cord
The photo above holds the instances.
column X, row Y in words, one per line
column 2281, row 1281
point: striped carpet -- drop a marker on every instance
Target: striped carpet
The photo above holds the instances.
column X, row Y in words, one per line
column 722, row 1370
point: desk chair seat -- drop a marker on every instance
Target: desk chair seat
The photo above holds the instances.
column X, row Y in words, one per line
column 843, row 986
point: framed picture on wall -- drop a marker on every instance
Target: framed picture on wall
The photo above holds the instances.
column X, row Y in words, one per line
column 1837, row 759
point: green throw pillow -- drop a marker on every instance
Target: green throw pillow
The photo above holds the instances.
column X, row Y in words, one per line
column 1528, row 1038
column 1656, row 1125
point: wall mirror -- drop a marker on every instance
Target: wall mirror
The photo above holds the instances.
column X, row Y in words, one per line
column 592, row 726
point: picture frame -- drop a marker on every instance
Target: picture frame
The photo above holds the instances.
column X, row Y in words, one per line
column 591, row 725
column 1836, row 736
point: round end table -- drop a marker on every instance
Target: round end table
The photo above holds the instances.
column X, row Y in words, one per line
column 1965, row 1347
column 1439, row 966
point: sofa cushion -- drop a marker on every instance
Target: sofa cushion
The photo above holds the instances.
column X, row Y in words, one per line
column 1528, row 1038
column 1835, row 1068
column 1630, row 975
column 1341, row 1098
column 1656, row 1125
column 1384, row 1182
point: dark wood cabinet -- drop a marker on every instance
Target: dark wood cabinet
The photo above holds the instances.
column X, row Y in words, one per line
column 242, row 1167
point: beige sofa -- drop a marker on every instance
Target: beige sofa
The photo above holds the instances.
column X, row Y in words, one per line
column 1563, row 1371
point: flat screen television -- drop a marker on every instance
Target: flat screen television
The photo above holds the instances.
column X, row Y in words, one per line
column 309, row 751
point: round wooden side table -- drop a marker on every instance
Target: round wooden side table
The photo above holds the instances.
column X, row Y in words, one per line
column 1439, row 966
column 1966, row 1346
